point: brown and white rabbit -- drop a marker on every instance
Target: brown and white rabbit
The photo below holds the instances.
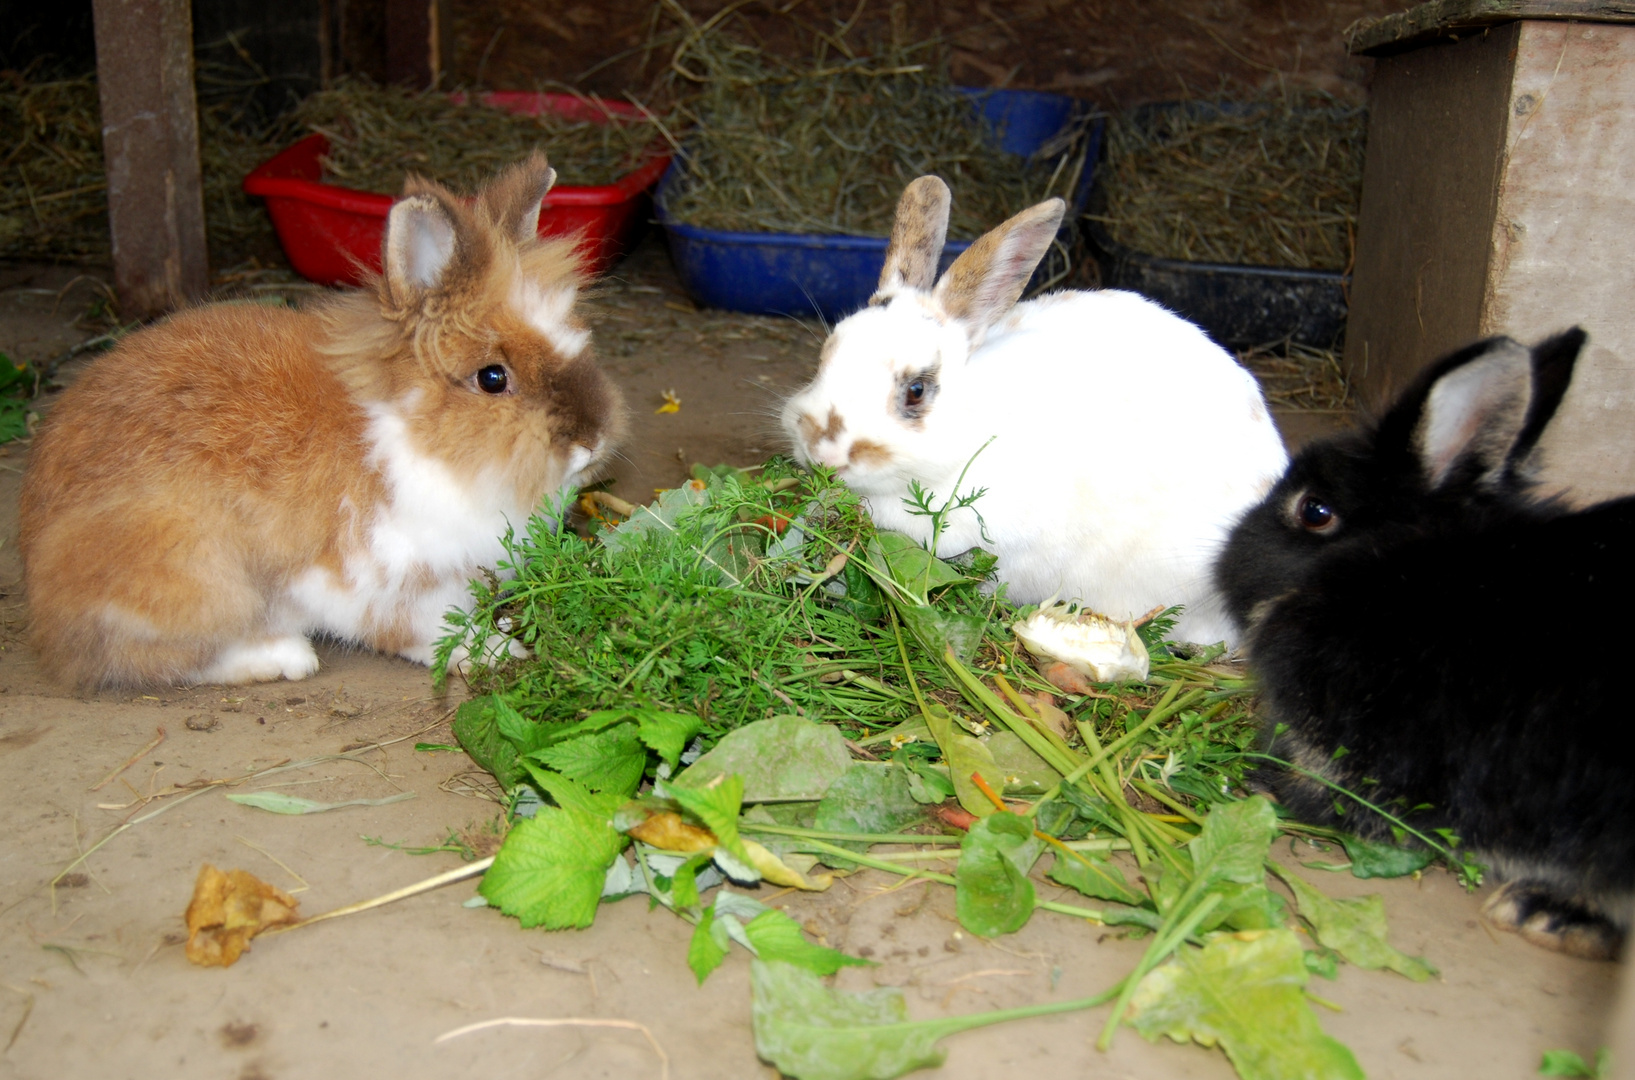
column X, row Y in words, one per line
column 225, row 483
column 1411, row 602
column 1115, row 443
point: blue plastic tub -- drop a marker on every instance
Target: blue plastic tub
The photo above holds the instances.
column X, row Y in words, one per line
column 805, row 274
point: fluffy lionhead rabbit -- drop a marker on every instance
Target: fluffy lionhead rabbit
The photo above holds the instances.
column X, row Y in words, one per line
column 1408, row 600
column 227, row 482
column 1124, row 443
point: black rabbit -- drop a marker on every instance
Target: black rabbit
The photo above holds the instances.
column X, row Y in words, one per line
column 1411, row 601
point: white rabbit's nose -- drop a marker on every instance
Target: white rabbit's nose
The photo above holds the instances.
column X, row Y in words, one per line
column 831, row 454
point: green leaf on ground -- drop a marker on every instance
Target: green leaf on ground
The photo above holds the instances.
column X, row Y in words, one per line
column 1095, row 877
column 965, row 754
column 476, row 728
column 279, row 803
column 939, row 630
column 1375, row 858
column 867, row 798
column 708, row 947
column 776, row 936
column 1354, row 928
column 572, row 795
column 905, row 560
column 1235, row 840
column 551, row 868
column 1026, row 773
column 781, row 757
column 811, row 1032
column 1567, row 1063
column 992, row 892
column 1248, row 997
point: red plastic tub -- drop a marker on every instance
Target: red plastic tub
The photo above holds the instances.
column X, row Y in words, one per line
column 332, row 234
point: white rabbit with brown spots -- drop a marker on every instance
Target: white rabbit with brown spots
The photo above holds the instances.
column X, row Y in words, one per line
column 1124, row 443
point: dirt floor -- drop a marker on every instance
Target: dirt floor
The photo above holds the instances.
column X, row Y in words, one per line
column 93, row 981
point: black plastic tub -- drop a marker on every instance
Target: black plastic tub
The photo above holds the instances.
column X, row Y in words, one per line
column 1239, row 306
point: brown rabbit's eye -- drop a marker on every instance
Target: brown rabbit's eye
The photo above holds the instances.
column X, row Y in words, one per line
column 914, row 392
column 492, row 379
column 1316, row 515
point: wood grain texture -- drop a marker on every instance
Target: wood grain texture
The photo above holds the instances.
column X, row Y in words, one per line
column 1456, row 18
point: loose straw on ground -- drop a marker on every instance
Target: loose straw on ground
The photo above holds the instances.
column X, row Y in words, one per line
column 527, row 1021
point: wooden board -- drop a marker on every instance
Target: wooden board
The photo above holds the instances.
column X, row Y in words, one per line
column 1452, row 19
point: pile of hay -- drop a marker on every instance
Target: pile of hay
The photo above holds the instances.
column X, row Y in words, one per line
column 1270, row 182
column 827, row 145
column 377, row 135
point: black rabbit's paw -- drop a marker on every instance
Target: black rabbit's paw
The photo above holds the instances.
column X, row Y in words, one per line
column 1544, row 917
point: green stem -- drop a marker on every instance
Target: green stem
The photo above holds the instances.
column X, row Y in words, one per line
column 1162, row 946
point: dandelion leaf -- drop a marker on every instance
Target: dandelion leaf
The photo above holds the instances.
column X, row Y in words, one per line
column 1354, row 928
column 1375, row 858
column 1094, row 877
column 992, row 892
column 867, row 798
column 1245, row 993
column 811, row 1032
column 781, row 757
column 551, row 868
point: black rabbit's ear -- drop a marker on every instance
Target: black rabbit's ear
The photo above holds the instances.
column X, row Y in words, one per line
column 1474, row 414
column 1553, row 360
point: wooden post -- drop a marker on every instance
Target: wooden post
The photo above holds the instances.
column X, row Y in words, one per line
column 414, row 43
column 1498, row 198
column 150, row 147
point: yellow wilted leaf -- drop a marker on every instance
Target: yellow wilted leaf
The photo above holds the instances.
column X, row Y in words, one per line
column 668, row 832
column 778, row 872
column 227, row 910
column 671, row 403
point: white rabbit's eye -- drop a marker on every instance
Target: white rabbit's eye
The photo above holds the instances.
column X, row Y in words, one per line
column 1315, row 515
column 914, row 394
column 493, row 379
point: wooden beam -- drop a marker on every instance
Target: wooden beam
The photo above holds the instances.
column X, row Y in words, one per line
column 150, row 148
column 1450, row 20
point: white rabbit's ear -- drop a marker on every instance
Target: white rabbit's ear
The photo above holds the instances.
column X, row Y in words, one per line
column 420, row 243
column 986, row 281
column 1474, row 415
column 917, row 237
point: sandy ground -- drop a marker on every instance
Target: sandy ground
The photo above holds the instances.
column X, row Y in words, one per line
column 93, row 981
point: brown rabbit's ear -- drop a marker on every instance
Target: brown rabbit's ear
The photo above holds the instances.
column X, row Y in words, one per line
column 1474, row 414
column 917, row 237
column 421, row 238
column 988, row 278
column 512, row 199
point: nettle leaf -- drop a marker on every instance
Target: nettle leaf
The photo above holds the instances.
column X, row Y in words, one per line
column 716, row 807
column 992, row 893
column 609, row 760
column 781, row 757
column 708, row 947
column 571, row 795
column 1374, row 858
column 776, row 936
column 867, row 798
column 667, row 733
column 811, row 1032
column 1094, row 877
column 1235, row 840
column 1246, row 993
column 551, row 868
column 476, row 729
column 1355, row 929
column 524, row 734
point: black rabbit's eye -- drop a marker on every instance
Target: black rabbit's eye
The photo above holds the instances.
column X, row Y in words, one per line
column 1316, row 515
column 492, row 379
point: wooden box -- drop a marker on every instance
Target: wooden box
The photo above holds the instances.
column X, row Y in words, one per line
column 1499, row 198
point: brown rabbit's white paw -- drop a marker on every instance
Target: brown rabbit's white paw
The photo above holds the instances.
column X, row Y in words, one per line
column 262, row 661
